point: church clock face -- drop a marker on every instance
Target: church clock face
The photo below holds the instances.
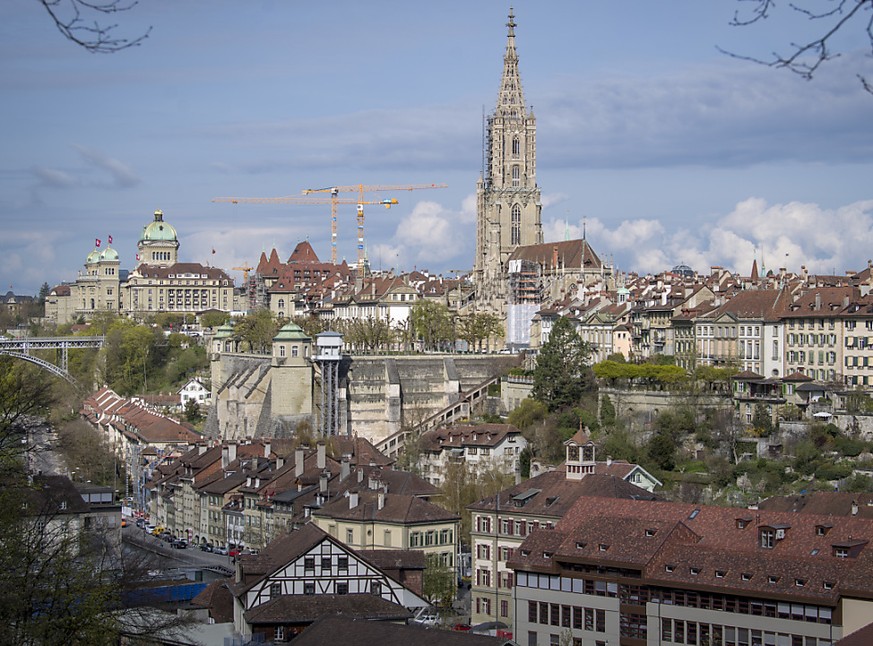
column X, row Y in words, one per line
column 573, row 453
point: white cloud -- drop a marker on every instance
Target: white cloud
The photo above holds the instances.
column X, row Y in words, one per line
column 776, row 235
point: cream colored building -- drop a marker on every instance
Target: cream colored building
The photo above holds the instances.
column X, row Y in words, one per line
column 159, row 283
column 372, row 520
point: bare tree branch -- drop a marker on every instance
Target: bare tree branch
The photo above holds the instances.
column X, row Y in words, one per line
column 805, row 58
column 72, row 18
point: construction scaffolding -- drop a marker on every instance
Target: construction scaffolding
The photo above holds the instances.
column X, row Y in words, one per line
column 525, row 299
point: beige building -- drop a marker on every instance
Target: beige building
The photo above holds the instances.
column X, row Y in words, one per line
column 375, row 520
column 159, row 283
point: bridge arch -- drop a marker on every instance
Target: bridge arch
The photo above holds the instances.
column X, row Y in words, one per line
column 46, row 365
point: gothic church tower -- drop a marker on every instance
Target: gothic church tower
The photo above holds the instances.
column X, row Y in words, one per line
column 508, row 199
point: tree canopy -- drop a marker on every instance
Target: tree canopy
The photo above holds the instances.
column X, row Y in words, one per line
column 562, row 373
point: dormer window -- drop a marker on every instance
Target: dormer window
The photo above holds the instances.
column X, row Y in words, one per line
column 746, row 576
column 822, row 530
column 719, row 574
column 651, row 532
column 767, row 536
column 603, row 547
column 841, row 552
column 694, row 571
column 772, row 580
column 580, row 545
column 827, row 585
column 742, row 522
column 547, row 555
column 669, row 568
column 800, row 582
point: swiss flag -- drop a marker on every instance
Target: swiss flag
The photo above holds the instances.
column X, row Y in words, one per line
column 96, row 242
column 110, row 240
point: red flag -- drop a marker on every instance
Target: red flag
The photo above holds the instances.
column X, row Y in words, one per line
column 96, row 242
column 110, row 240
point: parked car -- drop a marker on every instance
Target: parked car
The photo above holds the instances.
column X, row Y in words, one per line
column 234, row 552
column 150, row 529
column 205, row 547
column 179, row 543
column 219, row 549
column 426, row 617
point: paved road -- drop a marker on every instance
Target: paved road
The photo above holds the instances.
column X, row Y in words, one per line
column 187, row 557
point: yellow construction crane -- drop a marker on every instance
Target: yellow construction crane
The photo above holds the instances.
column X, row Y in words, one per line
column 360, row 189
column 245, row 270
column 333, row 201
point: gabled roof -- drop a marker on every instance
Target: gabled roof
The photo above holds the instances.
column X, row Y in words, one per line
column 397, row 508
column 304, row 609
column 556, row 494
column 358, row 632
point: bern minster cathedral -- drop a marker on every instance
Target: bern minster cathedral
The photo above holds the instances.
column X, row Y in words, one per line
column 516, row 273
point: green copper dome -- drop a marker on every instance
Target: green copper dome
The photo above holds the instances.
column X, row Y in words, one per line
column 291, row 332
column 93, row 257
column 224, row 331
column 159, row 231
column 109, row 254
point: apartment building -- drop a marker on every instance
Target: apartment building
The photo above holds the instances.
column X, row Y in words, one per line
column 501, row 523
column 635, row 572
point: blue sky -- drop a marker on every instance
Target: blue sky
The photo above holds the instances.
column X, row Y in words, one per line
column 670, row 151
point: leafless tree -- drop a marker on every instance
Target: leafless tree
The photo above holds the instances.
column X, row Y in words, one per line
column 807, row 56
column 80, row 22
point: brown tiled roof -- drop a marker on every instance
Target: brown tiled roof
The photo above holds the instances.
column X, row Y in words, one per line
column 460, row 435
column 862, row 637
column 216, row 598
column 822, row 503
column 555, row 494
column 397, row 508
column 571, row 254
column 705, row 547
column 357, row 632
column 304, row 609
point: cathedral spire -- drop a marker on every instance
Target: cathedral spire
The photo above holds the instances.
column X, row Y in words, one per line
column 510, row 102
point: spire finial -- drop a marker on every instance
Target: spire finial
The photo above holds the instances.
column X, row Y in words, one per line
column 511, row 23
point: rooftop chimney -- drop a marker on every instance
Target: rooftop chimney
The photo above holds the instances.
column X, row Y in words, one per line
column 322, row 481
column 321, row 455
column 345, row 469
column 854, row 508
column 360, row 474
column 353, row 499
column 299, row 456
column 380, row 500
column 280, row 462
column 267, row 449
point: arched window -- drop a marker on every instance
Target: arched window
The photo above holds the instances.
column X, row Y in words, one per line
column 516, row 176
column 515, row 237
column 516, row 146
column 281, row 304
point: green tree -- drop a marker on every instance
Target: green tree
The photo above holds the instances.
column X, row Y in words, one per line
column 438, row 585
column 25, row 390
column 524, row 463
column 192, row 411
column 432, row 324
column 527, row 413
column 43, row 293
column 661, row 450
column 256, row 331
column 562, row 374
column 607, row 411
column 214, row 318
